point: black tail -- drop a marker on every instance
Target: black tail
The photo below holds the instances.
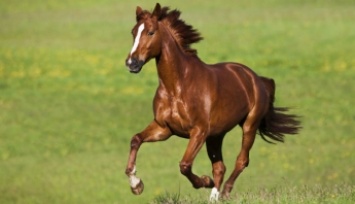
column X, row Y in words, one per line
column 276, row 122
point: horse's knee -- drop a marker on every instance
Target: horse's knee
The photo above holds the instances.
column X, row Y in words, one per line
column 185, row 168
column 219, row 169
column 246, row 163
column 242, row 162
column 136, row 141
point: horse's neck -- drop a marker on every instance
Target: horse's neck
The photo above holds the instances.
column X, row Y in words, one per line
column 171, row 64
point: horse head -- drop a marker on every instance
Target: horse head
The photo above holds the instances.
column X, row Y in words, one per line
column 147, row 39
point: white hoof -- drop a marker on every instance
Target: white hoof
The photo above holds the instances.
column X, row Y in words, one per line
column 214, row 195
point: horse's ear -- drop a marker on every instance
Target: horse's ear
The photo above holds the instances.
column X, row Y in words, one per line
column 139, row 11
column 157, row 11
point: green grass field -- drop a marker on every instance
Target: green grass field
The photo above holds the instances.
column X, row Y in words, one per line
column 69, row 107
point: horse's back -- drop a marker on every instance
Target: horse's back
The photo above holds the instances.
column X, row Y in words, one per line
column 240, row 77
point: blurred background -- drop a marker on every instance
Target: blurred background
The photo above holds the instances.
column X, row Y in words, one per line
column 69, row 106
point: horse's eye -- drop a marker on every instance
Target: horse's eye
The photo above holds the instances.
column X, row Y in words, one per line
column 150, row 33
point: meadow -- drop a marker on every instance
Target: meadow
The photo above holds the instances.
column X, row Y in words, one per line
column 69, row 107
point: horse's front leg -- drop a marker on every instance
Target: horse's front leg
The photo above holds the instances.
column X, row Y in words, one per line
column 197, row 139
column 154, row 132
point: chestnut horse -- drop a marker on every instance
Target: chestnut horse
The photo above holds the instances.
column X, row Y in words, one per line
column 200, row 102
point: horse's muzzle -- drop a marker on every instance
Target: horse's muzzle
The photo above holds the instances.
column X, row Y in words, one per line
column 134, row 65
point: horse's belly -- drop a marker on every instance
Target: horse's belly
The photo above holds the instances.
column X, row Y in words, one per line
column 227, row 114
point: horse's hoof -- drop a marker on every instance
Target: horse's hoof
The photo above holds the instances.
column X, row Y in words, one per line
column 225, row 196
column 138, row 189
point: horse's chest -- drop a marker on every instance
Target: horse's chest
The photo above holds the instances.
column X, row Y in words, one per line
column 179, row 117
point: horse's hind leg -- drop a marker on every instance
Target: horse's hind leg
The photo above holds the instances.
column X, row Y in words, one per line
column 214, row 150
column 250, row 127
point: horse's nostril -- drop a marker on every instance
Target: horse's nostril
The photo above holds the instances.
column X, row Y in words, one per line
column 134, row 65
column 131, row 62
column 134, row 61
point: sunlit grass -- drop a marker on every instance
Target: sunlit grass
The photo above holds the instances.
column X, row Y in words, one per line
column 286, row 194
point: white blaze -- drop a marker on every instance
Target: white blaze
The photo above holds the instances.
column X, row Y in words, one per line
column 138, row 36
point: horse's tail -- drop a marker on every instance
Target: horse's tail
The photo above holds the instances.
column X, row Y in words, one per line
column 276, row 123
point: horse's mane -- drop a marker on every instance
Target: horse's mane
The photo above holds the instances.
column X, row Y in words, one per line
column 184, row 34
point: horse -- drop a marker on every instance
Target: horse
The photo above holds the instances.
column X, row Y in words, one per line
column 200, row 102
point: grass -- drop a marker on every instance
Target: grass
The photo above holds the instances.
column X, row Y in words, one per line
column 68, row 106
column 302, row 194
